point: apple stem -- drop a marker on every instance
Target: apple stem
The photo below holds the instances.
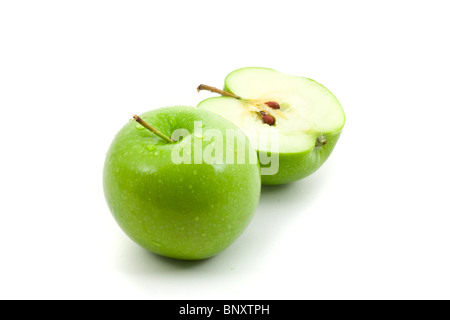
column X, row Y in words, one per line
column 217, row 90
column 152, row 129
column 321, row 141
column 267, row 117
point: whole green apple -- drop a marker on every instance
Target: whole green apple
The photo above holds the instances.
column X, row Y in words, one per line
column 303, row 118
column 171, row 193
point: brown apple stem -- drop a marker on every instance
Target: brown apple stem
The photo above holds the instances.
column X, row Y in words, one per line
column 267, row 117
column 152, row 129
column 217, row 90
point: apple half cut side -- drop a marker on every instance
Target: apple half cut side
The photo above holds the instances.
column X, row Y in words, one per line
column 292, row 119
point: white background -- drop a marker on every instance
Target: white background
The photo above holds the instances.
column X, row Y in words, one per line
column 372, row 223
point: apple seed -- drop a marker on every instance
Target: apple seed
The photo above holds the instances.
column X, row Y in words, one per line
column 267, row 118
column 272, row 104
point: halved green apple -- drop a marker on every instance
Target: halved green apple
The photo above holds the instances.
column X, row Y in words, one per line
column 292, row 119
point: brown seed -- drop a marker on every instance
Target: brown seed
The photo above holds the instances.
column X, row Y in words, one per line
column 267, row 118
column 272, row 104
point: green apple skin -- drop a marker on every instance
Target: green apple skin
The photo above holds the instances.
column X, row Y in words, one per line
column 293, row 166
column 182, row 211
column 296, row 166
